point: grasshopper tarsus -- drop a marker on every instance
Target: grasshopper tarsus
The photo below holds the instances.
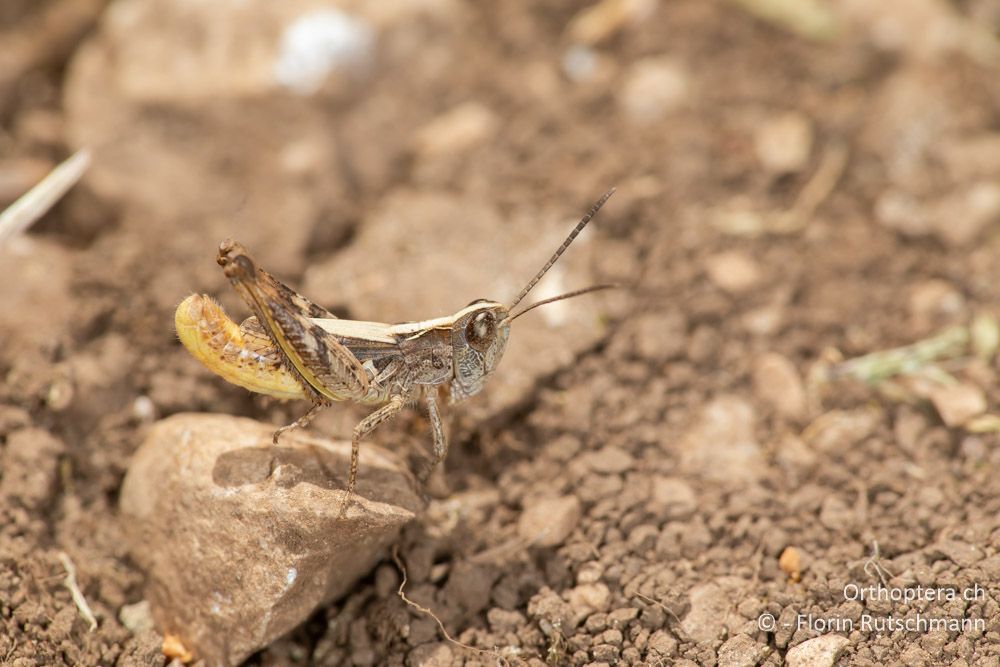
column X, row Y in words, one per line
column 342, row 360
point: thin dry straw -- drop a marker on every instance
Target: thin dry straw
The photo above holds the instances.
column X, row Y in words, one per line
column 37, row 201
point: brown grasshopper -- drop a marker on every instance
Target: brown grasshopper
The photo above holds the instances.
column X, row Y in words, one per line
column 292, row 348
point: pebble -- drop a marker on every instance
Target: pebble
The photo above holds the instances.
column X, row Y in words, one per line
column 931, row 299
column 721, row 444
column 676, row 497
column 653, row 88
column 958, row 403
column 741, row 651
column 733, row 271
column 711, row 604
column 547, row 522
column 609, row 460
column 819, row 652
column 431, row 655
column 601, row 20
column 459, row 129
column 783, row 143
column 588, row 598
column 662, row 643
column 778, row 383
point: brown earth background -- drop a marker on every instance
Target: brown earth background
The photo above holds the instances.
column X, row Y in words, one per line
column 798, row 183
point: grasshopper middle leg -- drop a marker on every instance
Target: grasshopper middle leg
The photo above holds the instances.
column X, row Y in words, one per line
column 364, row 427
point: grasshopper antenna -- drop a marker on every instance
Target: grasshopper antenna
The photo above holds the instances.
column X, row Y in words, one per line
column 555, row 256
column 567, row 295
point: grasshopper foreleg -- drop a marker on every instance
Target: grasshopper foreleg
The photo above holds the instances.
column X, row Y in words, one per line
column 437, row 431
column 364, row 427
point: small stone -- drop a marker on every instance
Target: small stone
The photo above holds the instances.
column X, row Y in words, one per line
column 241, row 540
column 778, row 383
column 962, row 554
column 819, row 652
column 662, row 644
column 790, row 563
column 711, row 604
column 457, row 130
column 136, row 617
column 900, row 211
column 932, row 299
column 613, row 637
column 503, row 621
column 599, row 21
column 784, row 143
column 721, row 444
column 674, row 495
column 653, row 88
column 960, row 218
column 30, row 461
column 431, row 655
column 741, row 651
column 733, row 272
column 589, row 598
column 609, row 460
column 621, row 617
column 549, row 521
column 958, row 403
column 606, row 652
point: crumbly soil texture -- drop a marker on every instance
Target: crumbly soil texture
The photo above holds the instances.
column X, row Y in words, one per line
column 687, row 488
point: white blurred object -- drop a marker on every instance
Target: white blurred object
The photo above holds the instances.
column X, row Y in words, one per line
column 318, row 43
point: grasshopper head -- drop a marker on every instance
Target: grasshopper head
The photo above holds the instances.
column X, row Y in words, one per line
column 478, row 339
column 479, row 335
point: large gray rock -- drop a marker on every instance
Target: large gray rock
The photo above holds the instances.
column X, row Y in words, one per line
column 241, row 540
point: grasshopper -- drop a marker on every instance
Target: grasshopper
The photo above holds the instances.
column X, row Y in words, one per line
column 293, row 348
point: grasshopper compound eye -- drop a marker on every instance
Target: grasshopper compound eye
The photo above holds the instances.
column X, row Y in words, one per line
column 481, row 330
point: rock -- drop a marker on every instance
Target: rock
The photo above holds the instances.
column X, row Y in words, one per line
column 653, row 87
column 790, row 562
column 778, row 383
column 136, row 617
column 721, row 444
column 608, row 460
column 600, row 20
column 819, row 652
column 741, row 651
column 456, row 130
column 30, row 467
column 319, row 43
column 711, row 604
column 961, row 553
column 240, row 539
column 675, row 496
column 549, row 521
column 41, row 295
column 960, row 218
column 733, row 271
column 784, row 143
column 958, row 403
column 437, row 654
column 662, row 644
column 931, row 300
column 588, row 598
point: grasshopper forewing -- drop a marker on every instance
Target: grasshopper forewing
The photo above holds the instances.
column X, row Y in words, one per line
column 292, row 348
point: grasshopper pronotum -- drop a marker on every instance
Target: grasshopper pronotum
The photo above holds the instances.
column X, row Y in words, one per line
column 292, row 348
